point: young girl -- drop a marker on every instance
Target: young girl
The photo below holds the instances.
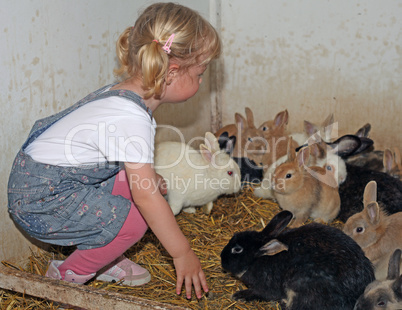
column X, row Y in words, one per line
column 85, row 175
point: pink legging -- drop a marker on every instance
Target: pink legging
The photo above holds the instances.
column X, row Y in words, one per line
column 85, row 262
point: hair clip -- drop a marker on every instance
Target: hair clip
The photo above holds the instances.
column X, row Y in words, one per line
column 155, row 41
column 168, row 44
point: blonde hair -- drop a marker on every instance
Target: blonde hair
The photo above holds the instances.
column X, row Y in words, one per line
column 139, row 48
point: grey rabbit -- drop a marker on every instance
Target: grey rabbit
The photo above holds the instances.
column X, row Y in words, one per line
column 386, row 294
column 314, row 267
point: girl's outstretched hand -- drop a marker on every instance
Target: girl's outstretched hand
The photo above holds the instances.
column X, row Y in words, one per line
column 189, row 272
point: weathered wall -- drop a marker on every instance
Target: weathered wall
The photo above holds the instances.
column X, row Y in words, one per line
column 315, row 57
column 312, row 57
column 52, row 53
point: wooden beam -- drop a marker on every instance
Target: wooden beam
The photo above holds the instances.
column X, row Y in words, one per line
column 83, row 296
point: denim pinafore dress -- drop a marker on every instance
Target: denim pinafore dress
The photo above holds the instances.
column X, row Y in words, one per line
column 68, row 206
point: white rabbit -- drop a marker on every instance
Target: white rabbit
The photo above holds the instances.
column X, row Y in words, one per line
column 196, row 178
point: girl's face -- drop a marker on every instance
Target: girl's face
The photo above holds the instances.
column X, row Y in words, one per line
column 185, row 84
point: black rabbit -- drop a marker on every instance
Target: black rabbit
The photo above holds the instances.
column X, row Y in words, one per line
column 311, row 267
column 389, row 191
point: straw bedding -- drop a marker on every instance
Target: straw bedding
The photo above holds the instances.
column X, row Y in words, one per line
column 208, row 234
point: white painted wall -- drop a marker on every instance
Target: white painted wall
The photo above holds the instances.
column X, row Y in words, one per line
column 52, row 53
column 314, row 57
column 311, row 57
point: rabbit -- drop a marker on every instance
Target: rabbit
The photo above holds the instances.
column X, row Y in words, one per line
column 384, row 161
column 275, row 147
column 306, row 191
column 373, row 160
column 386, row 294
column 277, row 126
column 314, row 267
column 351, row 191
column 327, row 154
column 250, row 172
column 232, row 129
column 393, row 163
column 324, row 130
column 249, row 139
column 196, row 178
column 377, row 233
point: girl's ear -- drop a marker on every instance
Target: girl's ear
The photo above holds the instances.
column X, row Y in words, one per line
column 172, row 73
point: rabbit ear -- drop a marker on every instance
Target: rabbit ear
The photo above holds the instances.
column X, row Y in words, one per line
column 373, row 212
column 397, row 157
column 303, row 155
column 394, row 265
column 363, row 131
column 388, row 160
column 273, row 247
column 318, row 149
column 281, row 118
column 291, row 152
column 250, row 117
column 345, row 145
column 365, row 143
column 370, row 193
column 211, row 141
column 206, row 152
column 277, row 224
column 397, row 286
column 309, row 128
column 240, row 122
column 328, row 121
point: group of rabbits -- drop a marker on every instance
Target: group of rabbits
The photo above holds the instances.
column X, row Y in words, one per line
column 321, row 177
column 312, row 174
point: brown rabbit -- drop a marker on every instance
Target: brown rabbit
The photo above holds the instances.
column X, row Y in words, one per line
column 392, row 163
column 249, row 139
column 306, row 191
column 232, row 129
column 277, row 126
column 378, row 234
column 276, row 146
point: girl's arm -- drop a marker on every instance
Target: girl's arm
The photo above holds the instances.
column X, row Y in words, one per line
column 157, row 213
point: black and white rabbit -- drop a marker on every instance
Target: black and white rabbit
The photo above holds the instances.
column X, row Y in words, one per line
column 250, row 172
column 311, row 267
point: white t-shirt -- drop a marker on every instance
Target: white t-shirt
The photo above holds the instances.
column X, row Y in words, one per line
column 110, row 129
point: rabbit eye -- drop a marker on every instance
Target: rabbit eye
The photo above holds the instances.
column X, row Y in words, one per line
column 237, row 249
column 230, row 172
column 288, row 176
column 329, row 168
column 264, row 128
column 250, row 139
column 359, row 230
column 382, row 303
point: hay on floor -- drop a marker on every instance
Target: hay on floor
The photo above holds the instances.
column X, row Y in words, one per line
column 208, row 234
